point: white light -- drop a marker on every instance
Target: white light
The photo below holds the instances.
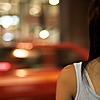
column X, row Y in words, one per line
column 44, row 34
column 15, row 20
column 0, row 21
column 8, row 37
column 35, row 10
column 20, row 53
column 21, row 73
column 6, row 21
column 53, row 2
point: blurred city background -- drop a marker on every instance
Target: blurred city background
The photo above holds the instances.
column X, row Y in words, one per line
column 37, row 39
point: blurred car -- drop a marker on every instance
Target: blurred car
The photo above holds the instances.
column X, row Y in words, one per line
column 29, row 72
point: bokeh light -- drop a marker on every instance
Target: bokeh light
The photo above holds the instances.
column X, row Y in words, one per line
column 7, row 21
column 27, row 46
column 20, row 53
column 35, row 10
column 8, row 37
column 15, row 20
column 4, row 6
column 21, row 73
column 53, row 2
column 5, row 66
column 44, row 34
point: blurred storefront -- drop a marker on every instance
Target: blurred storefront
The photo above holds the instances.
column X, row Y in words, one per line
column 43, row 21
column 35, row 21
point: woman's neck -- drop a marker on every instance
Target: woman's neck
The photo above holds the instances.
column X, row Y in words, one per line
column 94, row 66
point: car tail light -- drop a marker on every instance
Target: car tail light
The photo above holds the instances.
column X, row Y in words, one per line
column 5, row 66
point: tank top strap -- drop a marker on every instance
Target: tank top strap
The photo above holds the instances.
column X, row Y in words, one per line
column 89, row 80
column 84, row 91
column 78, row 76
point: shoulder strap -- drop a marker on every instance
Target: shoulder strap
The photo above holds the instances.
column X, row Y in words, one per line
column 89, row 80
column 78, row 75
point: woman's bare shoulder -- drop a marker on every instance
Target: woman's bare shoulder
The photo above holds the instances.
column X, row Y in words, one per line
column 67, row 81
column 67, row 72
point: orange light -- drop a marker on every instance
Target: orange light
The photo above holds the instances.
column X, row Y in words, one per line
column 20, row 53
column 21, row 73
column 27, row 46
column 5, row 66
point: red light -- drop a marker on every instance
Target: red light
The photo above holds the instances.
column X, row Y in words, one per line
column 5, row 66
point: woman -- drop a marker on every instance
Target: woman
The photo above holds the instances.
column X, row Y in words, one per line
column 81, row 81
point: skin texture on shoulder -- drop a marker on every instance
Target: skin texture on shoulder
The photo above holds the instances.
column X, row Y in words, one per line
column 66, row 84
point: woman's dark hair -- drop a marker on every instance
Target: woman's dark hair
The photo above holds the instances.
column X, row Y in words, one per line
column 94, row 31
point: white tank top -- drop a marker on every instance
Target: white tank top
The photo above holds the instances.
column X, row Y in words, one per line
column 84, row 91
